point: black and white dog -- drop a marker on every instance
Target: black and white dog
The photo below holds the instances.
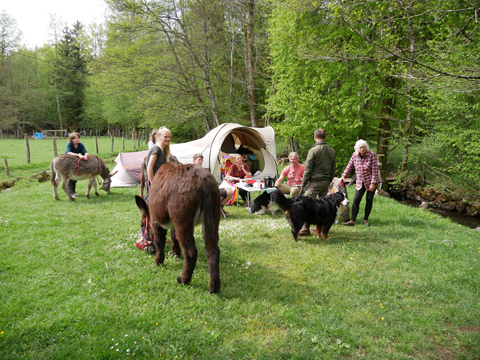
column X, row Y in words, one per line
column 261, row 205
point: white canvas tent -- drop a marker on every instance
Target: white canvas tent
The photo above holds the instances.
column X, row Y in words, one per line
column 223, row 140
column 226, row 139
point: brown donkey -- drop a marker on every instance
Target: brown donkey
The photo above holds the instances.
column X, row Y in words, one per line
column 181, row 197
column 67, row 167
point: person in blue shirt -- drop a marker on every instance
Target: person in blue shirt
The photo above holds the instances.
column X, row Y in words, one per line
column 76, row 148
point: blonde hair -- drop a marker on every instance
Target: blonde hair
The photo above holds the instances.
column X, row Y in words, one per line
column 153, row 136
column 294, row 154
column 160, row 132
column 359, row 144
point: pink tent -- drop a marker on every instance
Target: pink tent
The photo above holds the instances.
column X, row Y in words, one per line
column 129, row 167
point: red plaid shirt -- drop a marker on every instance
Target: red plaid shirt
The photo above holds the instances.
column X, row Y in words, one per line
column 366, row 169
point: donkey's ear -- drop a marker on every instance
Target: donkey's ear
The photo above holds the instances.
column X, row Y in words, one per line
column 142, row 205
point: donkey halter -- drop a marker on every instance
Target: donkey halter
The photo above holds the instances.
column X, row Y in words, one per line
column 144, row 230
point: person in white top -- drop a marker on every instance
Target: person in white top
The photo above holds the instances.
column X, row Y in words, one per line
column 153, row 139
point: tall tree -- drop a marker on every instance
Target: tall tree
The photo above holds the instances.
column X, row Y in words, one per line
column 72, row 75
column 10, row 37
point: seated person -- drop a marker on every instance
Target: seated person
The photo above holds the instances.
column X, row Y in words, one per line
column 294, row 174
column 238, row 171
column 225, row 194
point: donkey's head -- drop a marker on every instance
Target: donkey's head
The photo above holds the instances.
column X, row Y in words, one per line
column 106, row 182
column 146, row 224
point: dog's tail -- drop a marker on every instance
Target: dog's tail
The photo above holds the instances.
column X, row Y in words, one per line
column 280, row 199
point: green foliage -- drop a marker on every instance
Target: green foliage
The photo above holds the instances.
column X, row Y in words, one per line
column 382, row 71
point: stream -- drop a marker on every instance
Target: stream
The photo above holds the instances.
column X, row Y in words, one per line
column 463, row 219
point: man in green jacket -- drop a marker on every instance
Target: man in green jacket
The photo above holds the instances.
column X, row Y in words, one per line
column 319, row 170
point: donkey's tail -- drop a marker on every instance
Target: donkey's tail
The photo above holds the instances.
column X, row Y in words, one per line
column 280, row 199
column 143, row 179
column 211, row 212
column 52, row 173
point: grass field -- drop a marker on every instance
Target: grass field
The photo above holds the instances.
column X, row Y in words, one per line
column 74, row 286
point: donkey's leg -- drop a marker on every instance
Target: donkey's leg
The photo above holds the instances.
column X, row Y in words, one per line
column 95, row 187
column 175, row 246
column 187, row 241
column 160, row 239
column 91, row 182
column 65, row 187
column 56, row 181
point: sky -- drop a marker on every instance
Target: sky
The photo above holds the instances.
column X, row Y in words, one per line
column 33, row 19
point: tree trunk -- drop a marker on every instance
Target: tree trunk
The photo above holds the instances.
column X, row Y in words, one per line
column 250, row 62
column 232, row 51
column 56, row 88
column 387, row 110
column 408, row 122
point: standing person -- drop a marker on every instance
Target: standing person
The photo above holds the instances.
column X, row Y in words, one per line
column 225, row 193
column 153, row 139
column 365, row 163
column 319, row 171
column 75, row 147
column 294, row 174
column 238, row 171
column 158, row 154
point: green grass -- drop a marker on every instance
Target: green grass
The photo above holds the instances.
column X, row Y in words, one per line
column 74, row 286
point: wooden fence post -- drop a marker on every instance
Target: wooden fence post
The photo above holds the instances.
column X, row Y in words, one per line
column 6, row 167
column 133, row 138
column 96, row 144
column 55, row 144
column 113, row 137
column 123, row 141
column 28, row 149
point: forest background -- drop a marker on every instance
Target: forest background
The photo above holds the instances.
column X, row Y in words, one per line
column 404, row 75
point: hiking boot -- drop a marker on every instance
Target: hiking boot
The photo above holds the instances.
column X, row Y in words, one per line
column 349, row 223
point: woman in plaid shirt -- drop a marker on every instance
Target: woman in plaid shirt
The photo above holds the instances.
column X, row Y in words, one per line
column 365, row 163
